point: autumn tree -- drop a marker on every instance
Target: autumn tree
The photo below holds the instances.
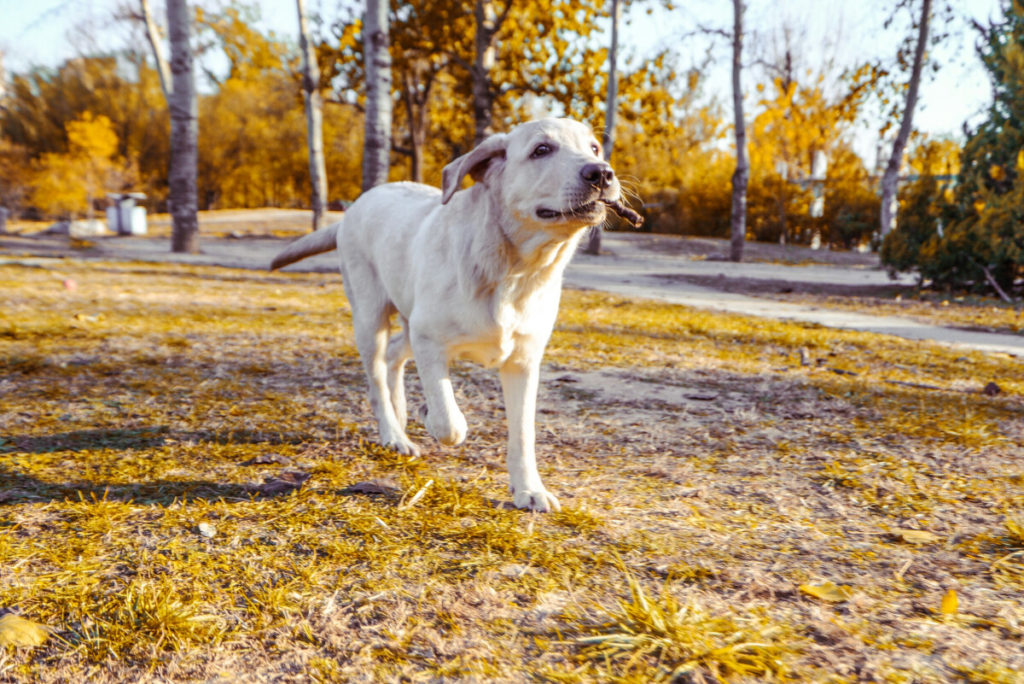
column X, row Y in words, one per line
column 799, row 122
column 671, row 149
column 67, row 184
column 43, row 101
column 253, row 130
column 14, row 175
column 926, row 207
column 538, row 52
column 976, row 239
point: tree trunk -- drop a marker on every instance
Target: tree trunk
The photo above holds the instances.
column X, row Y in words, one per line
column 184, row 132
column 741, row 176
column 610, row 108
column 314, row 120
column 890, row 179
column 483, row 95
column 416, row 113
column 377, row 141
column 153, row 36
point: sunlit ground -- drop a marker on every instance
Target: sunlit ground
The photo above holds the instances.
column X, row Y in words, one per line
column 189, row 489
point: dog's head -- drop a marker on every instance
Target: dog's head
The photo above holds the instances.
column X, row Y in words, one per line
column 547, row 172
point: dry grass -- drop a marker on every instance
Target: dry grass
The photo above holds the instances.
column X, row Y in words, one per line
column 189, row 490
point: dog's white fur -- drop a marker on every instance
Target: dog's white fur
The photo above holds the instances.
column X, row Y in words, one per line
column 475, row 274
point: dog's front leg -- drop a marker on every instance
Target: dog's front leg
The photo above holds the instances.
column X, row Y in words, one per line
column 519, row 382
column 443, row 420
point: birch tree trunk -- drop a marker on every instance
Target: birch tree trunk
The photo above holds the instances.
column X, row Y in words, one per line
column 416, row 113
column 377, row 141
column 155, row 44
column 314, row 120
column 610, row 108
column 890, row 179
column 184, row 132
column 741, row 176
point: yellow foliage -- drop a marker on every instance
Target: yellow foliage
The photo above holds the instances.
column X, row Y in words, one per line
column 57, row 189
column 936, row 157
column 92, row 138
column 66, row 184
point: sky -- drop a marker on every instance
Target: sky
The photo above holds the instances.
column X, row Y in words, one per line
column 846, row 31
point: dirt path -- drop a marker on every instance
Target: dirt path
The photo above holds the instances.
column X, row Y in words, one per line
column 630, row 270
column 665, row 268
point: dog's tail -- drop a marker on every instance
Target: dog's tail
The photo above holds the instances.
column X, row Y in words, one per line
column 317, row 242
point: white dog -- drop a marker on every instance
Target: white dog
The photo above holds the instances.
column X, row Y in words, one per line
column 474, row 274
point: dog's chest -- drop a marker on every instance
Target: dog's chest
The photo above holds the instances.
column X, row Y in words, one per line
column 516, row 324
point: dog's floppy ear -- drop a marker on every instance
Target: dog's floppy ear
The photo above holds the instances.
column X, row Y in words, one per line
column 473, row 163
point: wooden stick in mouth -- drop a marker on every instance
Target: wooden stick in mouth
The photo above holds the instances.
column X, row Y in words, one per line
column 625, row 212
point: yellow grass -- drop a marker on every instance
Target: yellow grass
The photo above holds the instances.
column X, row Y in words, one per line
column 189, row 489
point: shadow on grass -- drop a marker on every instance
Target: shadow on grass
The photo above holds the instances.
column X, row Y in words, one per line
column 17, row 488
column 138, row 438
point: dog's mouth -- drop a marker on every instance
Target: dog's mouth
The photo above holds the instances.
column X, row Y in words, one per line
column 581, row 211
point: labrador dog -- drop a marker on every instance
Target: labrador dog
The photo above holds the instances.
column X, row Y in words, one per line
column 474, row 273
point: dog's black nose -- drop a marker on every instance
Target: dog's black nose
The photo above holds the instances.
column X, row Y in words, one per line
column 598, row 175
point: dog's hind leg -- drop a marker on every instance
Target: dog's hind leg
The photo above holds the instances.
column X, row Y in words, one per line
column 371, row 331
column 399, row 352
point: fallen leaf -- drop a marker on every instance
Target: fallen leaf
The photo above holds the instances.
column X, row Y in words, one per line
column 266, row 459
column 283, row 483
column 207, row 530
column 377, row 486
column 950, row 603
column 828, row 591
column 916, row 536
column 17, row 631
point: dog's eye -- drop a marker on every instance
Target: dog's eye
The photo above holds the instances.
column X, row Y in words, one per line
column 596, row 148
column 541, row 150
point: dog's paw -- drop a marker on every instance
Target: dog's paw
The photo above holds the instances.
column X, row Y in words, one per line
column 403, row 445
column 536, row 500
column 449, row 432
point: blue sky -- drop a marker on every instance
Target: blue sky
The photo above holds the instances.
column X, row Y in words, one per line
column 48, row 31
